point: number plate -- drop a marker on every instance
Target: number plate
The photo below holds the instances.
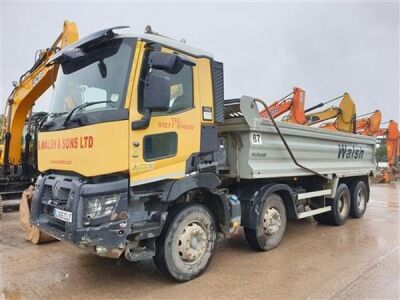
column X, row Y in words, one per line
column 63, row 215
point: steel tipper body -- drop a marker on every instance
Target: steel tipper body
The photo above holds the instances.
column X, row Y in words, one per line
column 255, row 149
column 148, row 161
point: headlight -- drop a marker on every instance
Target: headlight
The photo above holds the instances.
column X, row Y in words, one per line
column 100, row 206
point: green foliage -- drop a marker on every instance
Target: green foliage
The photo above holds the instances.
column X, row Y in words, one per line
column 381, row 151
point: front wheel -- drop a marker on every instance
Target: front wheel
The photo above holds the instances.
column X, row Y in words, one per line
column 186, row 244
column 271, row 225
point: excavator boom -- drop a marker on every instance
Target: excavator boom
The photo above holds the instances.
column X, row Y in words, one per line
column 294, row 105
column 345, row 115
column 392, row 144
column 30, row 87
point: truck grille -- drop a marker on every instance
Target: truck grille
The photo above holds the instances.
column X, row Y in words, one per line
column 54, row 197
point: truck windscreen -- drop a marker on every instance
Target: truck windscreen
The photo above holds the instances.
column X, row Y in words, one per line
column 101, row 75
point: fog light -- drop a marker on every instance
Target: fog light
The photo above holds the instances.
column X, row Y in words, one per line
column 100, row 249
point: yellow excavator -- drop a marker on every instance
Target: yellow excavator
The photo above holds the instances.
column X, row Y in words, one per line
column 345, row 115
column 17, row 160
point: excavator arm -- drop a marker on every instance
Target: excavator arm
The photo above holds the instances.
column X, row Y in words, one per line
column 371, row 125
column 295, row 105
column 29, row 88
column 393, row 144
column 345, row 115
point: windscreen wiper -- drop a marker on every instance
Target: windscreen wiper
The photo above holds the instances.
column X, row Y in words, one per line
column 80, row 107
column 45, row 124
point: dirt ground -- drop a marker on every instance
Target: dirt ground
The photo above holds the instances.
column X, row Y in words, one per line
column 357, row 260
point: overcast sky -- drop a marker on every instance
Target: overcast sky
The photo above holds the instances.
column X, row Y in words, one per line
column 266, row 48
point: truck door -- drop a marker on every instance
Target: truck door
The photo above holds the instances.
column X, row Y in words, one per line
column 161, row 150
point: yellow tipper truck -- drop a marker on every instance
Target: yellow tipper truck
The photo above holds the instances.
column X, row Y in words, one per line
column 142, row 157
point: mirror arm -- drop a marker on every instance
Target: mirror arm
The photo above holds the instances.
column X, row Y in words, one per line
column 143, row 123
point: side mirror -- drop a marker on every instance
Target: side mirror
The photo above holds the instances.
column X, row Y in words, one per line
column 157, row 93
column 168, row 62
column 156, row 97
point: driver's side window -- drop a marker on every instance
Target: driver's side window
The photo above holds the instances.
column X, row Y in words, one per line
column 181, row 89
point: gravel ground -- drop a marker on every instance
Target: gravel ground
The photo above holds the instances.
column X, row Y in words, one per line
column 357, row 260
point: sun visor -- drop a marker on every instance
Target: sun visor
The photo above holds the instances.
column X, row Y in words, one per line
column 74, row 50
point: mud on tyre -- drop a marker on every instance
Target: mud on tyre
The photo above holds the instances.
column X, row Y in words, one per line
column 270, row 226
column 186, row 244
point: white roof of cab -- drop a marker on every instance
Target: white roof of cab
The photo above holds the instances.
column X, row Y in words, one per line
column 180, row 46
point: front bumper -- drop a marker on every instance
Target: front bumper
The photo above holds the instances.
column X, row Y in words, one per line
column 69, row 193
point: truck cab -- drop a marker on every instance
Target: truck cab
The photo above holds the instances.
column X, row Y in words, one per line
column 132, row 128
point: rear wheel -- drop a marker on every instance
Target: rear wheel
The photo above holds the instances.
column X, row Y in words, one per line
column 271, row 225
column 359, row 199
column 340, row 206
column 186, row 245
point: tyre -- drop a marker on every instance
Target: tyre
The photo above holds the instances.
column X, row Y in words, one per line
column 271, row 225
column 340, row 206
column 186, row 245
column 321, row 218
column 359, row 199
column 318, row 203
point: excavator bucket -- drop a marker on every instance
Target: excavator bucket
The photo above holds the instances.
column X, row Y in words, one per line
column 345, row 115
column 297, row 115
column 70, row 34
column 294, row 105
column 375, row 122
column 370, row 126
column 32, row 233
column 346, row 118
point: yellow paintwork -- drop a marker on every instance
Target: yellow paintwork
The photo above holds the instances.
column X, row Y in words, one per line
column 142, row 171
column 103, row 151
column 117, row 148
column 344, row 114
column 29, row 90
column 109, row 153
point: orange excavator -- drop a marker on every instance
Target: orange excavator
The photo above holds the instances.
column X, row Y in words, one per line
column 370, row 125
column 392, row 136
column 292, row 103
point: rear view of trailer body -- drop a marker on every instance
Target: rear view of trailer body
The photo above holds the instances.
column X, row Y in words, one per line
column 254, row 149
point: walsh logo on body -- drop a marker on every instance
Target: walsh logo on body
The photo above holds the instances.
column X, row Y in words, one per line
column 346, row 152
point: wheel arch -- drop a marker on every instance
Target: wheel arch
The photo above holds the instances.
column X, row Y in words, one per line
column 252, row 205
column 202, row 188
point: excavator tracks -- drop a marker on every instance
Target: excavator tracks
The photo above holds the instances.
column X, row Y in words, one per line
column 9, row 201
